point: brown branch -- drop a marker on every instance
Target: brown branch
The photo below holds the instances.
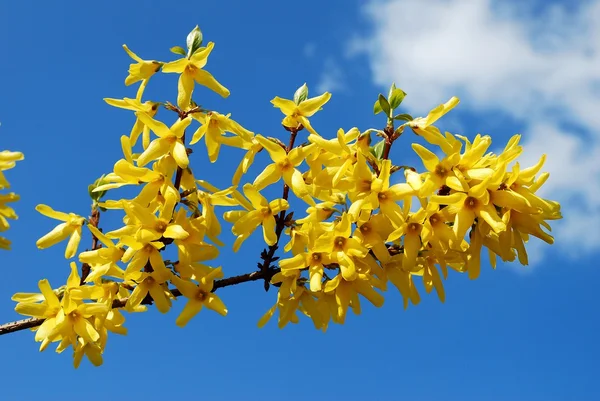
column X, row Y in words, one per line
column 269, row 256
column 94, row 221
column 32, row 322
column 389, row 139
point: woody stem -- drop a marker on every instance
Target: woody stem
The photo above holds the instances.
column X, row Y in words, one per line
column 280, row 224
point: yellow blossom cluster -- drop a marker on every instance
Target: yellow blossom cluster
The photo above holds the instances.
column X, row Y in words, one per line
column 363, row 222
column 8, row 160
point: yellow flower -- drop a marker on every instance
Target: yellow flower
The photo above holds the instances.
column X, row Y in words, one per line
column 402, row 279
column 155, row 285
column 125, row 173
column 214, row 126
column 423, row 126
column 341, row 247
column 139, row 127
column 315, row 261
column 296, row 114
column 252, row 146
column 191, row 69
column 346, row 294
column 7, row 161
column 440, row 171
column 263, row 213
column 71, row 228
column 336, row 149
column 91, row 350
column 42, row 305
column 193, row 248
column 411, row 230
column 198, row 296
column 7, row 212
column 372, row 193
column 467, row 206
column 169, row 141
column 372, row 234
column 103, row 261
column 284, row 166
column 142, row 70
column 209, row 201
column 292, row 297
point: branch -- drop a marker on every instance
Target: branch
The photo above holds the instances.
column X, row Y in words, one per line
column 95, row 221
column 389, row 139
column 32, row 322
column 270, row 254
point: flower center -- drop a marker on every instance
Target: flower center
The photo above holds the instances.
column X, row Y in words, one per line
column 364, row 185
column 441, row 171
column 191, row 69
column 161, row 226
column 413, row 228
column 339, row 243
column 285, row 164
column 201, row 295
column 471, row 202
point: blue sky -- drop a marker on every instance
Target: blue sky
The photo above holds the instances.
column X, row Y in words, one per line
column 506, row 336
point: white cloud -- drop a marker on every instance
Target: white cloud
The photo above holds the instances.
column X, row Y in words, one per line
column 332, row 78
column 541, row 69
column 309, row 50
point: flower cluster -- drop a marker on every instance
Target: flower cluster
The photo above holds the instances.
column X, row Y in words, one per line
column 8, row 160
column 367, row 222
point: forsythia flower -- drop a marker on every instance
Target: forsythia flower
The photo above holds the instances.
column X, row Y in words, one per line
column 71, row 228
column 7, row 161
column 142, row 70
column 169, row 141
column 284, row 166
column 214, row 126
column 199, row 295
column 296, row 114
column 139, row 128
column 191, row 69
column 263, row 213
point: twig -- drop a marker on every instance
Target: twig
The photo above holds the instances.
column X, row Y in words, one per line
column 270, row 254
column 32, row 322
column 389, row 139
column 94, row 221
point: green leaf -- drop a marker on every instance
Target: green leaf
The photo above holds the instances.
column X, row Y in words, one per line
column 385, row 106
column 392, row 88
column 396, row 97
column 377, row 150
column 301, row 94
column 96, row 196
column 194, row 40
column 404, row 116
column 377, row 107
column 178, row 50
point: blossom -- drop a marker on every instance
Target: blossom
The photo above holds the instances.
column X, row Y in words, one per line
column 297, row 114
column 169, row 141
column 284, row 166
column 142, row 70
column 71, row 228
column 214, row 126
column 191, row 69
column 263, row 213
column 198, row 296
